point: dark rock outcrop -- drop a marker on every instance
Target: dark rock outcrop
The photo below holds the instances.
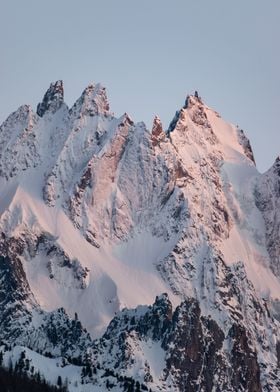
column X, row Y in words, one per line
column 245, row 373
column 53, row 99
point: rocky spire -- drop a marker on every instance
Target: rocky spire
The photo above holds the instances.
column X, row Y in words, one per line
column 157, row 132
column 53, row 99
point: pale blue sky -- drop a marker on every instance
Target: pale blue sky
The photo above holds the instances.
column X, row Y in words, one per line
column 149, row 54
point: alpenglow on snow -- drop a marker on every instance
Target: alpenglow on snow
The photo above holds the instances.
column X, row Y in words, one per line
column 135, row 259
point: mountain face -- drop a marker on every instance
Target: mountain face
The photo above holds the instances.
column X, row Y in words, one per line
column 135, row 259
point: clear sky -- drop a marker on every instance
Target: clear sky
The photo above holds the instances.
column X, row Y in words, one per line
column 149, row 54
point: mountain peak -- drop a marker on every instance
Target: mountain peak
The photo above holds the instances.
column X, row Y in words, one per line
column 52, row 100
column 192, row 99
column 23, row 117
column 93, row 101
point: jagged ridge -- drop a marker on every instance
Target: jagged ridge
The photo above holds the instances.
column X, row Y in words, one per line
column 98, row 213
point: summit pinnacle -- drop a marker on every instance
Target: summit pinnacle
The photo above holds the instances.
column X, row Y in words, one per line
column 53, row 99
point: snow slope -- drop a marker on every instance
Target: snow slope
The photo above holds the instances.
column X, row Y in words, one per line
column 103, row 216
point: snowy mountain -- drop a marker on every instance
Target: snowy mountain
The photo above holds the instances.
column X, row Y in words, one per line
column 134, row 259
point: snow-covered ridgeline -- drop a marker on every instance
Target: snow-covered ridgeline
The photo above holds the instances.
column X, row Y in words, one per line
column 100, row 214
